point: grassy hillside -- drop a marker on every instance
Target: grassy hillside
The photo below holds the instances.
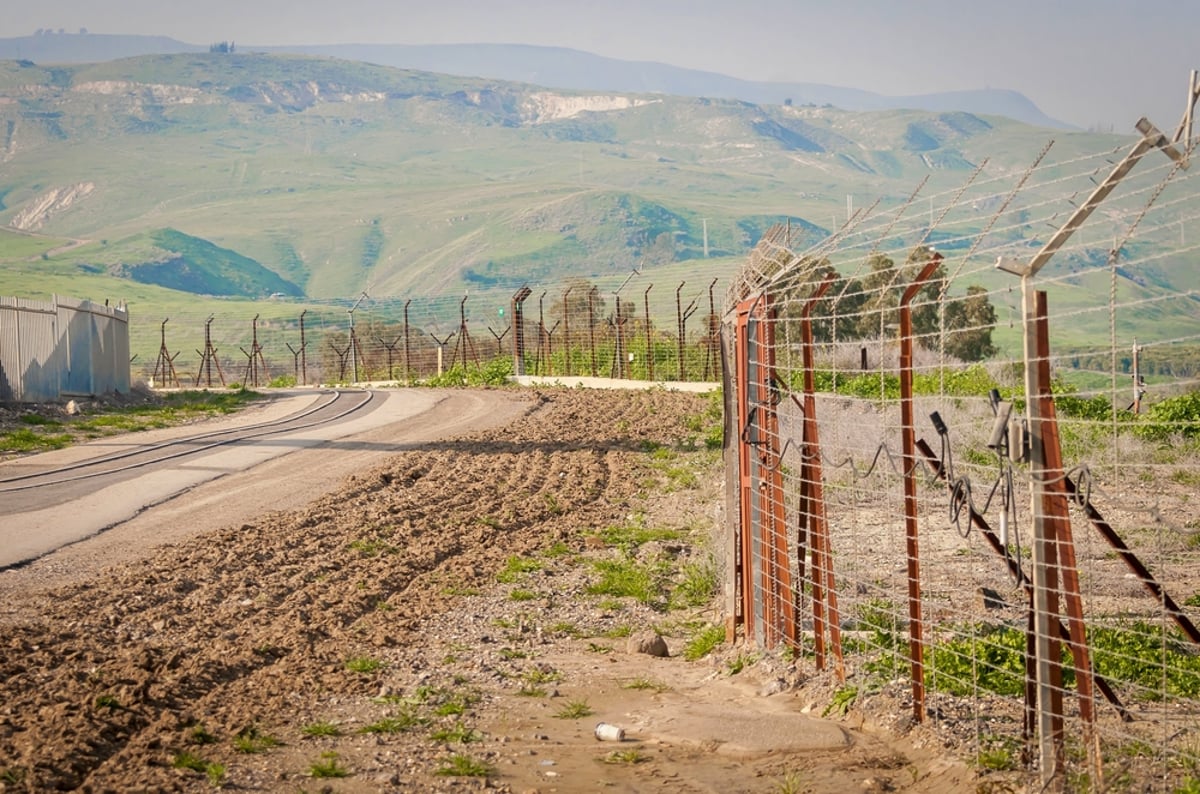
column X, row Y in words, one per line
column 247, row 175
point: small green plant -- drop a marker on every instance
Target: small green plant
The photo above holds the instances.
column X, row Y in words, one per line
column 553, row 506
column 107, row 702
column 363, row 664
column 13, row 775
column 541, row 675
column 459, row 765
column 997, row 759
column 200, row 735
column 522, row 595
column 458, row 732
column 617, row 632
column 328, row 766
column 841, row 701
column 646, row 684
column 373, row 547
column 252, row 740
column 515, row 568
column 188, row 760
column 704, row 642
column 402, row 721
column 321, row 729
column 574, row 710
column 627, row 757
column 596, row 647
column 215, row 773
column 740, row 662
column 791, row 783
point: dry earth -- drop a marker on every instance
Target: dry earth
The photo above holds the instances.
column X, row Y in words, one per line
column 383, row 631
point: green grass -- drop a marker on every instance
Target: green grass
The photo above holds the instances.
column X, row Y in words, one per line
column 457, row 733
column 704, row 642
column 626, row 578
column 515, row 568
column 328, row 766
column 25, row 440
column 251, row 740
column 628, row 537
column 459, row 765
column 646, row 684
column 174, row 408
column 364, row 665
column 213, row 771
column 697, row 585
column 402, row 721
column 322, row 728
column 574, row 710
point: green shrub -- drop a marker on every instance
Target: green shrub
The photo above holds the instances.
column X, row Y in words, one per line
column 1173, row 416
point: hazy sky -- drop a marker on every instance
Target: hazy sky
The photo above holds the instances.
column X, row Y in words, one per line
column 1082, row 61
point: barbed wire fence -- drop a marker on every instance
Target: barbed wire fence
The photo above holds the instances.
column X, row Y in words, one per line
column 638, row 325
column 984, row 550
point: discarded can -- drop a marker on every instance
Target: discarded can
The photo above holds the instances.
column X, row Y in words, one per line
column 610, row 733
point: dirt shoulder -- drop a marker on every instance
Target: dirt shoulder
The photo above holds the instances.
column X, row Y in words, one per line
column 448, row 611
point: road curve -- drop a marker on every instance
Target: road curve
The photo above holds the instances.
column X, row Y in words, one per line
column 56, row 540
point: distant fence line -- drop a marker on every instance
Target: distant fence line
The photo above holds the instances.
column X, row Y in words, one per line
column 570, row 328
column 61, row 348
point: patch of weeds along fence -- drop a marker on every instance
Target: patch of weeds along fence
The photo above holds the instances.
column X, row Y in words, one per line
column 704, row 642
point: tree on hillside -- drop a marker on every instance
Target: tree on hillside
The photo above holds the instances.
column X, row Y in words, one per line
column 969, row 324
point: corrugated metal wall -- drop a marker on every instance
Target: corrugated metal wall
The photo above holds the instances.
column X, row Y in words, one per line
column 64, row 347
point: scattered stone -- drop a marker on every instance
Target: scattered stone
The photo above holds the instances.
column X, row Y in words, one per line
column 647, row 642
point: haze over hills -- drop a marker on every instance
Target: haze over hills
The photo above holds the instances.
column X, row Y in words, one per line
column 551, row 67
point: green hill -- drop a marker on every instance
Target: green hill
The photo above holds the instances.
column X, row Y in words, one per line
column 248, row 175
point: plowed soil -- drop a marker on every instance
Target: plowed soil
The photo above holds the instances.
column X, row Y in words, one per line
column 432, row 625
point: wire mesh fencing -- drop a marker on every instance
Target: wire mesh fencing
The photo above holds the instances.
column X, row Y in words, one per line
column 1000, row 547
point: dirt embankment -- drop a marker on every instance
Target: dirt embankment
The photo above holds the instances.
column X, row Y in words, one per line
column 432, row 626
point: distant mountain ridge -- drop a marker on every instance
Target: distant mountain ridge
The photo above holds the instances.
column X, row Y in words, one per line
column 552, row 67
